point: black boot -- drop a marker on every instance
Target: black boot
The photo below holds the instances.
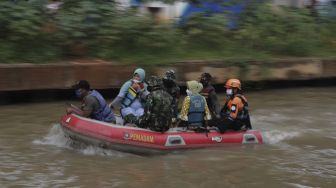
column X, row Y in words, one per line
column 130, row 118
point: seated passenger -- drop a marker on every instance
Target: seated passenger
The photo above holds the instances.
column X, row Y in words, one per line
column 195, row 111
column 158, row 108
column 93, row 103
column 129, row 97
column 170, row 85
column 210, row 95
column 234, row 114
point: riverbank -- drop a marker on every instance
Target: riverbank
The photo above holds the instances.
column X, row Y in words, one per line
column 109, row 75
column 45, row 82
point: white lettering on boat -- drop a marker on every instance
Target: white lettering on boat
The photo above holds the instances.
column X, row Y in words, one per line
column 217, row 138
column 139, row 137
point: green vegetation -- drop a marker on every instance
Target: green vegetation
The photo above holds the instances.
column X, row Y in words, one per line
column 30, row 33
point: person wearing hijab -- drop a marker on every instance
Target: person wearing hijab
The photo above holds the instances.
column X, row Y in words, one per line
column 195, row 111
column 129, row 97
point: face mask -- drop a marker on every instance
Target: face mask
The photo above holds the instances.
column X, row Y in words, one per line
column 188, row 92
column 136, row 78
column 78, row 93
column 229, row 92
column 136, row 81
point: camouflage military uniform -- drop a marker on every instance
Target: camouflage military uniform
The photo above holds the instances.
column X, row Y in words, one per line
column 158, row 108
column 173, row 89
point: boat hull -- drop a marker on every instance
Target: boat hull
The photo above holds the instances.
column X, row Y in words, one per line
column 144, row 141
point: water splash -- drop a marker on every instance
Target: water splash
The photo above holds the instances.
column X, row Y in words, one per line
column 55, row 137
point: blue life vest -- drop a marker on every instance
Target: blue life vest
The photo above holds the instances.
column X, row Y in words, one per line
column 196, row 110
column 104, row 113
column 129, row 98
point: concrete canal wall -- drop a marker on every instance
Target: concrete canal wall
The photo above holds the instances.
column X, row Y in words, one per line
column 106, row 75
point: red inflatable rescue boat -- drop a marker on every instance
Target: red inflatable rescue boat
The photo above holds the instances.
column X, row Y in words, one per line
column 144, row 141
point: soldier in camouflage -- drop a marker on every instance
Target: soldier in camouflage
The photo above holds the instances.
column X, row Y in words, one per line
column 158, row 108
column 173, row 89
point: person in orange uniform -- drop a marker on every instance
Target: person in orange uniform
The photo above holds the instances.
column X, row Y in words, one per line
column 234, row 114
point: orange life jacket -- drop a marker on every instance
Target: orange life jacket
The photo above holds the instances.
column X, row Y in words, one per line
column 236, row 107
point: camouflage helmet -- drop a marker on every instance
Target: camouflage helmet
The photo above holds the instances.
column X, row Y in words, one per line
column 170, row 75
column 154, row 81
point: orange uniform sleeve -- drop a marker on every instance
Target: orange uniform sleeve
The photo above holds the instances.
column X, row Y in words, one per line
column 235, row 107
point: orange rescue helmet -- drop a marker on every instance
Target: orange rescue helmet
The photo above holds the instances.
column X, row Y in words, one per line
column 233, row 83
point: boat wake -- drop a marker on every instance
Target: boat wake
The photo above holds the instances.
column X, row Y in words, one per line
column 273, row 127
column 277, row 136
column 56, row 137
